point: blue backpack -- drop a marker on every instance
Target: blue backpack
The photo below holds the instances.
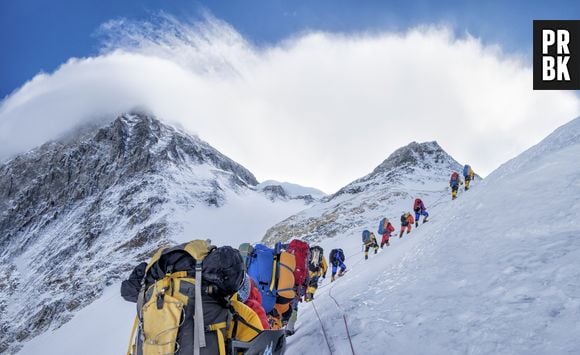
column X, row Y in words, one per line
column 466, row 168
column 260, row 267
column 382, row 226
column 336, row 256
column 366, row 236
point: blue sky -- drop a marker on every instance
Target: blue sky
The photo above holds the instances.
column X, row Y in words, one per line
column 40, row 35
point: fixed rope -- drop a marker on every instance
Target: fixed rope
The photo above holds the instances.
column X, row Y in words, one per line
column 322, row 326
column 343, row 318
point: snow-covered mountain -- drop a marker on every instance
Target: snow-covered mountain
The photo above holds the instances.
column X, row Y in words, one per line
column 78, row 213
column 496, row 271
column 416, row 170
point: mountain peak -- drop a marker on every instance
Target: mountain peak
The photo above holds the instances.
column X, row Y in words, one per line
column 423, row 158
column 417, row 169
column 105, row 196
column 413, row 154
column 142, row 135
column 92, row 159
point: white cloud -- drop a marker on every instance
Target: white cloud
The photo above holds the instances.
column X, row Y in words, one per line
column 318, row 109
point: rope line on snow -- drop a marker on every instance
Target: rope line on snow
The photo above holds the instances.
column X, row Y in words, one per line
column 322, row 326
column 340, row 309
column 343, row 318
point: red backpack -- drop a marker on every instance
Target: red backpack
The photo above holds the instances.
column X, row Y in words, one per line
column 300, row 250
column 418, row 203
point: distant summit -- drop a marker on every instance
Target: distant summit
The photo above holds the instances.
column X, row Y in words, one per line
column 418, row 169
column 425, row 155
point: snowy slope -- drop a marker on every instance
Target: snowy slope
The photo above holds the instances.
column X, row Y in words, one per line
column 416, row 170
column 495, row 272
column 77, row 214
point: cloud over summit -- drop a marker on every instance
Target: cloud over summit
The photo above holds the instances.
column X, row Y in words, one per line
column 318, row 109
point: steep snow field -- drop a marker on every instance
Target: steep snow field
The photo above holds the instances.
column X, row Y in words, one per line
column 245, row 217
column 496, row 271
column 101, row 328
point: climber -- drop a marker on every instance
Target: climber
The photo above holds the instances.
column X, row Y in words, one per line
column 454, row 183
column 301, row 251
column 420, row 210
column 317, row 267
column 293, row 317
column 385, row 229
column 251, row 297
column 273, row 273
column 407, row 221
column 172, row 277
column 468, row 175
column 370, row 241
column 337, row 259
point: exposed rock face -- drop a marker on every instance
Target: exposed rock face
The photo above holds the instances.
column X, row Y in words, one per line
column 275, row 191
column 278, row 192
column 76, row 214
column 416, row 170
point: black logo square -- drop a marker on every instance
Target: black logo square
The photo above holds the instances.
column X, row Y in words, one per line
column 557, row 55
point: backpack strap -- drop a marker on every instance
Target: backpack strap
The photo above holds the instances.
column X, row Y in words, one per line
column 198, row 249
column 155, row 258
column 130, row 349
column 274, row 269
column 198, row 329
column 217, row 327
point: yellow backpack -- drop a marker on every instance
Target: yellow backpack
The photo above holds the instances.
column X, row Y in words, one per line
column 285, row 285
column 173, row 315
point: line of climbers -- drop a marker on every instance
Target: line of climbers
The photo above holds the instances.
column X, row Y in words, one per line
column 455, row 180
column 386, row 228
column 196, row 298
column 247, row 298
